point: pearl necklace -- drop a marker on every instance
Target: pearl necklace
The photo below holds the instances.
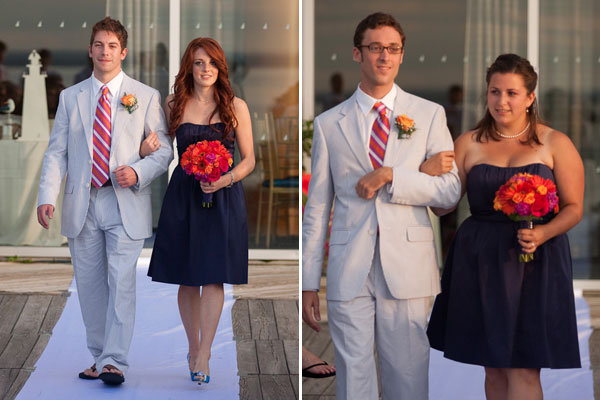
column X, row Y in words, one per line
column 514, row 136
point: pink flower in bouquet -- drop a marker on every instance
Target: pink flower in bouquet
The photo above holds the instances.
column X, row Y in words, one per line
column 526, row 197
column 206, row 161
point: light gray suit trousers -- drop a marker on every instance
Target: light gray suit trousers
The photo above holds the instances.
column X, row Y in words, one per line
column 396, row 325
column 104, row 261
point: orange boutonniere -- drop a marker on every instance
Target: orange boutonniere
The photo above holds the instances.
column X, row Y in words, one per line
column 405, row 125
column 130, row 102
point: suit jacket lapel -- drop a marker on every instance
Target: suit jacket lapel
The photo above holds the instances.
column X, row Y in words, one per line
column 83, row 103
column 352, row 130
column 393, row 152
column 122, row 118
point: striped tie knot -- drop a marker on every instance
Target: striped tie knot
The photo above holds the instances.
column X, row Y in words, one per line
column 380, row 108
column 104, row 90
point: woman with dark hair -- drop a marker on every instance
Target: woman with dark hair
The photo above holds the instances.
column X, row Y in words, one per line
column 202, row 248
column 510, row 317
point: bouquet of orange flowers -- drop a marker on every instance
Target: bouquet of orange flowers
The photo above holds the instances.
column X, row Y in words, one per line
column 206, row 161
column 526, row 197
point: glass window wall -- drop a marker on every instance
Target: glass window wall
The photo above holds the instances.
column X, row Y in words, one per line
column 261, row 44
column 569, row 99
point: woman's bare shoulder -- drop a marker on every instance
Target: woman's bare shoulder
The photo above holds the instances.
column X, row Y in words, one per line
column 552, row 138
column 466, row 139
column 239, row 104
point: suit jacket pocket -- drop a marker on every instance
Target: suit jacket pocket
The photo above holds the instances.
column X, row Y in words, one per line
column 419, row 233
column 339, row 236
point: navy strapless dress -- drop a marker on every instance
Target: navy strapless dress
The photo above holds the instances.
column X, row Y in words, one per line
column 493, row 310
column 195, row 246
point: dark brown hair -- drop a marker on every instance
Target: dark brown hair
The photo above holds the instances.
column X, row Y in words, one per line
column 511, row 64
column 184, row 86
column 375, row 21
column 110, row 25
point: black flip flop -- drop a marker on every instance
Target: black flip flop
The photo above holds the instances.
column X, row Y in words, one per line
column 83, row 375
column 111, row 378
column 306, row 373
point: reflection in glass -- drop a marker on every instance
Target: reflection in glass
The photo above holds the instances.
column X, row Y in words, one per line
column 62, row 45
column 569, row 98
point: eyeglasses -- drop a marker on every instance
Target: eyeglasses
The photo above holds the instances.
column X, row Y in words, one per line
column 378, row 48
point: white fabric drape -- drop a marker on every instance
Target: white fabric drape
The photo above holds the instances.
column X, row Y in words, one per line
column 493, row 27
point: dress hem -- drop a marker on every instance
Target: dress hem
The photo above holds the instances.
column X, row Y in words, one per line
column 492, row 365
column 198, row 284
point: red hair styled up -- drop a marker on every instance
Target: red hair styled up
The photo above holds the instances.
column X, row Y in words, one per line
column 184, row 86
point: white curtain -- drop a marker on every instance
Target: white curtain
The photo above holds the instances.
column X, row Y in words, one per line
column 493, row 27
column 146, row 22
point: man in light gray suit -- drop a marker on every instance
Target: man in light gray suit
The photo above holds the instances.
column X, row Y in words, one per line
column 107, row 213
column 382, row 270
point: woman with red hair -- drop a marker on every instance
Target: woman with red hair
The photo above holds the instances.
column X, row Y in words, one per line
column 201, row 248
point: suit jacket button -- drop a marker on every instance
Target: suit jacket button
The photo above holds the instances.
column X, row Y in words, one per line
column 371, row 232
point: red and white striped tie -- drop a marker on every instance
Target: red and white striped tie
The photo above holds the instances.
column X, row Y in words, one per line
column 379, row 136
column 101, row 139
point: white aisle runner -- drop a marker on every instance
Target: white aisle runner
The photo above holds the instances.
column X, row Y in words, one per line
column 450, row 380
column 158, row 367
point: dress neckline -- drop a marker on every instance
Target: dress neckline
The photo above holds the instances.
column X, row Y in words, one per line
column 517, row 167
column 191, row 123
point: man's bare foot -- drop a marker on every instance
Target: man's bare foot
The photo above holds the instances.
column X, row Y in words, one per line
column 313, row 365
column 112, row 369
column 90, row 373
column 111, row 375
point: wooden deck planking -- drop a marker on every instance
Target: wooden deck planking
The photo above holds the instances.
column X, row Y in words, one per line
column 286, row 316
column 32, row 315
column 276, row 387
column 250, row 388
column 17, row 384
column 35, row 277
column 240, row 320
column 268, row 361
column 55, row 310
column 17, row 350
column 7, row 377
column 10, row 310
column 37, row 350
column 32, row 297
column 271, row 357
column 291, row 354
column 262, row 319
column 247, row 359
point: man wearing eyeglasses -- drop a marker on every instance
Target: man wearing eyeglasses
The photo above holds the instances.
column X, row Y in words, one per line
column 382, row 270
